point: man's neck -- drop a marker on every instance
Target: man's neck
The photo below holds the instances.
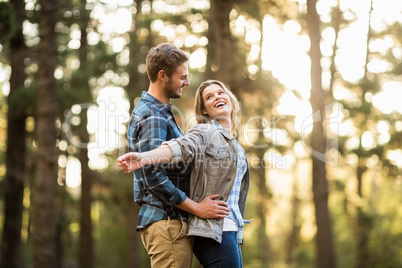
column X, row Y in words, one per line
column 158, row 93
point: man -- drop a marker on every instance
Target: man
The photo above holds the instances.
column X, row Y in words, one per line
column 162, row 192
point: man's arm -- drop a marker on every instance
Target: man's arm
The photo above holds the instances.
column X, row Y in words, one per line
column 150, row 133
column 208, row 207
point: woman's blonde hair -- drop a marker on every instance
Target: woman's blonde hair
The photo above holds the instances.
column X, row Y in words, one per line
column 199, row 105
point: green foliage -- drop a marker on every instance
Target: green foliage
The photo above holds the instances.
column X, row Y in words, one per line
column 303, row 256
column 7, row 27
column 25, row 97
column 111, row 237
column 111, row 230
column 374, row 216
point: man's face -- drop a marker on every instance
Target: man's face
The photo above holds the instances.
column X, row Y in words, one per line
column 177, row 81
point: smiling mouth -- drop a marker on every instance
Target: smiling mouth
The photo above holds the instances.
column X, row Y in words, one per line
column 220, row 104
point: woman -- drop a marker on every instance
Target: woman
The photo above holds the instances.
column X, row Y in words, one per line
column 219, row 166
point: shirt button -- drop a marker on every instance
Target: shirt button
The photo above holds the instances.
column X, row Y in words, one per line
column 228, row 178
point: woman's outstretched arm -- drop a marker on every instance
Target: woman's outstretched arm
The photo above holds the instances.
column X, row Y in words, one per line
column 131, row 161
column 209, row 207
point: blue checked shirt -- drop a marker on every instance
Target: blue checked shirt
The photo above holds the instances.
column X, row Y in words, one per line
column 157, row 188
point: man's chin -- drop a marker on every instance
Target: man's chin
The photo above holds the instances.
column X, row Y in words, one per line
column 176, row 96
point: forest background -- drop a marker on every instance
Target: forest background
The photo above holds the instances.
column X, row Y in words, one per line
column 319, row 84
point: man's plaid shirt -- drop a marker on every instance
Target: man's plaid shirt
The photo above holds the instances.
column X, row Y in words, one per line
column 157, row 188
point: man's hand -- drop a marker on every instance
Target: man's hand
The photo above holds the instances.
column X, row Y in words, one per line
column 129, row 162
column 208, row 208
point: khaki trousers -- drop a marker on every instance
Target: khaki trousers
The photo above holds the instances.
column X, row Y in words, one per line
column 167, row 244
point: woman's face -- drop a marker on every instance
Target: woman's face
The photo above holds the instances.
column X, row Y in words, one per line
column 217, row 103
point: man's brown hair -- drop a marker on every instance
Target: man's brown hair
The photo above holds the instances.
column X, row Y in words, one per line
column 165, row 57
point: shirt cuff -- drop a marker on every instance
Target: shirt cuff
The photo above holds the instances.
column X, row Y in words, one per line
column 176, row 151
column 178, row 198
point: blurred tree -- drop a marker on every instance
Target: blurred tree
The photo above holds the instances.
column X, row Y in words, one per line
column 46, row 135
column 220, row 43
column 16, row 136
column 81, row 85
column 364, row 217
column 138, row 47
column 365, row 118
column 324, row 246
column 7, row 26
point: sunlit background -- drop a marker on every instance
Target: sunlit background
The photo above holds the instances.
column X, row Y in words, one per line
column 284, row 53
column 284, row 50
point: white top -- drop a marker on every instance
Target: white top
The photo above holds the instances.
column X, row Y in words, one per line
column 229, row 225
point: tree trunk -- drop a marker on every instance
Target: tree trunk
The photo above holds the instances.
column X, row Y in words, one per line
column 137, row 82
column 46, row 135
column 325, row 256
column 16, row 147
column 292, row 240
column 86, row 242
column 336, row 24
column 264, row 197
column 220, row 47
column 264, row 251
column 364, row 221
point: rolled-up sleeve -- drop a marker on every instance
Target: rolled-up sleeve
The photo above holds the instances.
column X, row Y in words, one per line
column 184, row 149
column 176, row 151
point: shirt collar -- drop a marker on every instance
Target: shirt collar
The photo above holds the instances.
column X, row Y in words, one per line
column 148, row 97
column 223, row 131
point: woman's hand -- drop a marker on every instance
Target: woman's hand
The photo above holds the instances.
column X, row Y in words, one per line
column 129, row 162
column 132, row 161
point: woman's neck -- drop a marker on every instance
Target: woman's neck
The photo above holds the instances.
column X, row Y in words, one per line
column 226, row 124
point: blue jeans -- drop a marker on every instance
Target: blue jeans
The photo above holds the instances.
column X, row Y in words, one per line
column 211, row 254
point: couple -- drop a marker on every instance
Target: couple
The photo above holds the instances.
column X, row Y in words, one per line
column 196, row 202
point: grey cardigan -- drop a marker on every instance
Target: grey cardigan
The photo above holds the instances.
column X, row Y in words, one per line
column 212, row 152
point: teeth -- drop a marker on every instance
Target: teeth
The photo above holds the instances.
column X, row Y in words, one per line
column 219, row 104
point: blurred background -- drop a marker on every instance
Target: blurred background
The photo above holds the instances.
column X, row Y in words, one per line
column 320, row 86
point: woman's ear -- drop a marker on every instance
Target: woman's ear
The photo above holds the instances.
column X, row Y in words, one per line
column 204, row 112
